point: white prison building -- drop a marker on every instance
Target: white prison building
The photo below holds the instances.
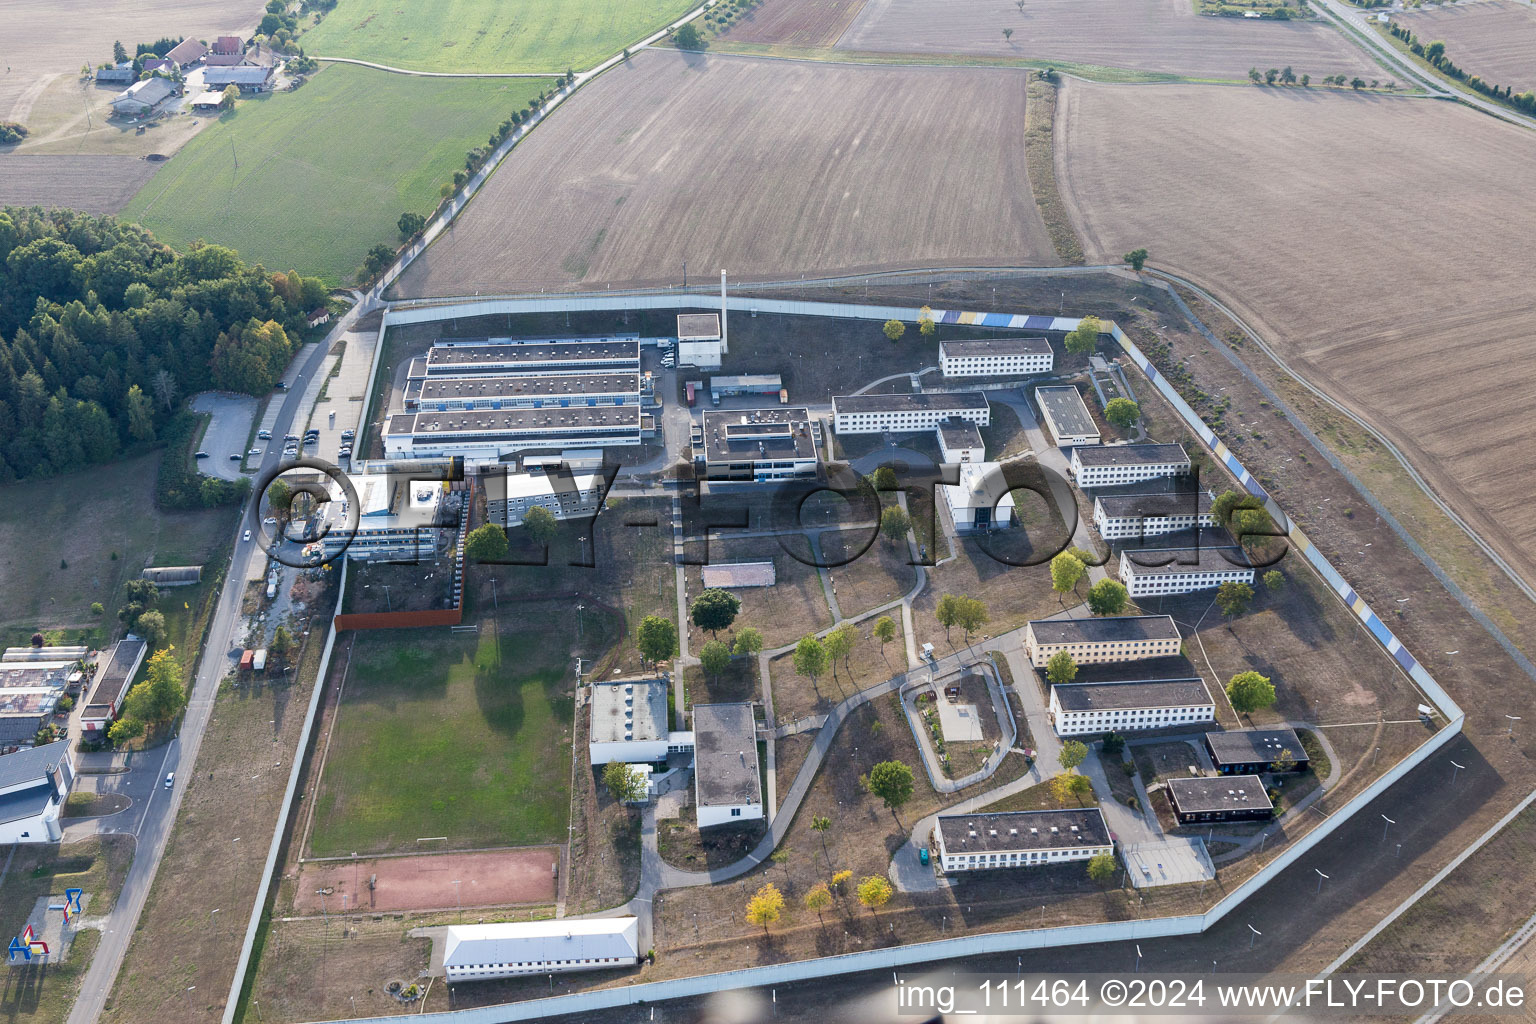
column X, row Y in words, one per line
column 1111, row 465
column 960, row 441
column 727, row 789
column 1130, row 705
column 1187, row 570
column 1020, row 839
column 482, row 952
column 996, row 357
column 1132, row 516
column 877, row 414
column 981, row 501
column 629, row 722
column 1102, row 640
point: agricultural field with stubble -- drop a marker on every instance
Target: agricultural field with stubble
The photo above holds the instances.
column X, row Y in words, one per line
column 1407, row 301
column 487, row 35
column 1495, row 40
column 311, row 179
column 680, row 156
column 1162, row 36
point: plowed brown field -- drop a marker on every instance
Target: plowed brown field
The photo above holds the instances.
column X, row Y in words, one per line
column 1495, row 41
column 1147, row 35
column 95, row 184
column 767, row 168
column 795, row 22
column 1379, row 243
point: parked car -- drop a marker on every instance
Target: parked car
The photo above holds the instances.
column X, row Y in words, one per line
column 290, row 437
column 264, row 435
column 254, row 451
column 236, row 457
column 202, row 455
column 922, row 855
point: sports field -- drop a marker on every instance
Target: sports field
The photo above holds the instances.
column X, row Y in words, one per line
column 462, row 736
column 1495, row 40
column 488, row 35
column 1144, row 35
column 767, row 168
column 310, row 179
column 1406, row 300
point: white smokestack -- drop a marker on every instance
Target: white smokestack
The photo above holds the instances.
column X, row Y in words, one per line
column 725, row 345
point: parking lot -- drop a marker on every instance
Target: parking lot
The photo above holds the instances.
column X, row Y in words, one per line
column 227, row 432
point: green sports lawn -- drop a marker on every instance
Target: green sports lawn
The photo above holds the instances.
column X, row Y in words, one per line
column 325, row 172
column 447, row 734
column 488, row 35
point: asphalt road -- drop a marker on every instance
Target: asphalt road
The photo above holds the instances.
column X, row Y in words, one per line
column 158, row 813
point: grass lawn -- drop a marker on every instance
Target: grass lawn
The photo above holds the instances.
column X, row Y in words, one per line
column 485, row 35
column 60, row 552
column 324, row 173
column 443, row 734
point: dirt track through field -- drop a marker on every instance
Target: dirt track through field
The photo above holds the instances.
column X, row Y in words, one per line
column 1334, row 233
column 1146, row 35
column 489, row 878
column 766, row 168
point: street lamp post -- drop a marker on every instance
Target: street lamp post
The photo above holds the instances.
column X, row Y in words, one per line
column 1389, row 824
column 1512, row 720
column 458, row 903
column 1320, row 878
column 1255, row 934
column 1454, row 769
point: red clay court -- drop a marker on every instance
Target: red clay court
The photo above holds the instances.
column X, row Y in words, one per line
column 522, row 875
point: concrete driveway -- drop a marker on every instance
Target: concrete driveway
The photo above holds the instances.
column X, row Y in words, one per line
column 227, row 432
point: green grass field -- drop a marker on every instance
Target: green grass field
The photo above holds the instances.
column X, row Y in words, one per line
column 325, row 172
column 444, row 734
column 488, row 35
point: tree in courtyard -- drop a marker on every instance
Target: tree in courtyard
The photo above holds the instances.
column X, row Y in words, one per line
column 894, row 329
column 781, row 858
column 1061, row 669
column 767, row 904
column 874, row 891
column 894, row 524
column 1113, row 744
column 228, row 97
column 810, row 657
column 1101, row 868
column 839, row 879
column 624, row 784
column 1122, row 412
column 1107, row 597
column 687, row 38
column 749, row 641
column 891, row 781
column 1137, row 258
column 947, row 611
column 486, row 543
column 838, row 645
column 884, row 631
column 1070, row 786
column 1285, row 761
column 714, row 610
column 821, row 825
column 1249, row 692
column 1066, row 570
column 818, row 898
column 151, row 626
column 714, row 658
column 1073, row 753
column 1083, row 338
column 970, row 615
column 540, row 525
column 410, row 224
column 925, row 324
column 884, row 479
column 1274, row 579
column 1233, row 598
column 657, row 639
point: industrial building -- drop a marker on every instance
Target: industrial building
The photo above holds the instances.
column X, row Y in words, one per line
column 1228, row 798
column 996, row 357
column 777, row 443
column 173, row 575
column 701, row 339
column 1133, row 516
column 565, row 495
column 398, row 520
column 1020, row 839
column 1250, row 751
column 524, row 391
column 29, row 694
column 727, row 788
column 1111, row 465
column 629, row 722
column 482, row 952
column 877, row 414
column 1182, row 570
column 56, row 654
column 960, row 441
column 1100, row 640
column 768, row 384
column 508, row 357
column 34, row 784
column 487, row 435
column 114, row 674
column 1066, row 416
column 1129, row 705
column 981, row 500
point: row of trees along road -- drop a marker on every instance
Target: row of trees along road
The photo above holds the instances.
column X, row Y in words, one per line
column 103, row 329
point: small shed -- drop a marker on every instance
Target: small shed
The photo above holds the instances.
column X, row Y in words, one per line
column 174, row 575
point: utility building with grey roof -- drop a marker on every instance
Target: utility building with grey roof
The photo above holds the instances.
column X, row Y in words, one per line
column 727, row 787
column 1102, row 639
column 979, row 842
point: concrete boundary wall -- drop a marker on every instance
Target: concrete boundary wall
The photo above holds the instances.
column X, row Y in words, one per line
column 968, row 945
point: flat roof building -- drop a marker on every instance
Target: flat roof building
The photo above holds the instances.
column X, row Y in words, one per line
column 1228, row 798
column 114, row 674
column 486, row 435
column 1135, row 516
column 751, row 384
column 482, row 952
column 1020, row 839
column 1067, row 416
column 1182, row 570
column 505, row 356
column 727, row 788
column 57, row 654
column 521, row 391
column 1111, row 465
column 398, row 519
column 776, row 443
column 629, row 722
column 995, row 357
column 1129, row 705
column 876, row 414
column 960, row 441
column 34, row 784
column 700, row 340
column 1250, row 751
column 565, row 495
column 981, row 500
column 1112, row 638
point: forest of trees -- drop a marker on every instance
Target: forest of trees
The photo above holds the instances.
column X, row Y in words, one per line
column 103, row 330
